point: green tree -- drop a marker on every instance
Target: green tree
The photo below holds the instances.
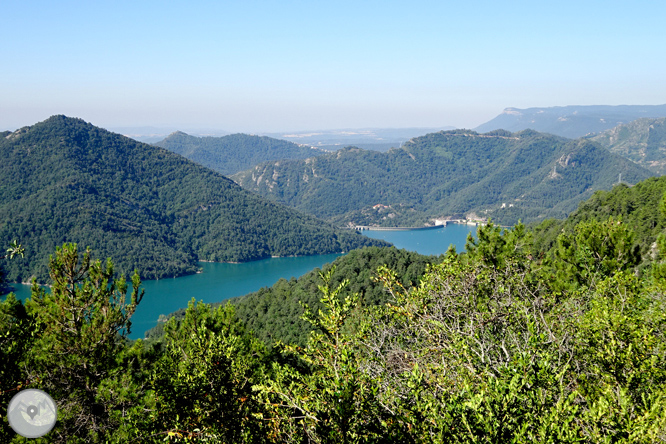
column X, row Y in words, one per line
column 594, row 251
column 331, row 400
column 79, row 343
column 15, row 340
column 621, row 362
column 496, row 246
column 203, row 381
column 15, row 249
column 474, row 355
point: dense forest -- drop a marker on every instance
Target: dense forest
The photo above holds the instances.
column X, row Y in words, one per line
column 499, row 175
column 274, row 313
column 236, row 152
column 551, row 333
column 145, row 207
column 642, row 141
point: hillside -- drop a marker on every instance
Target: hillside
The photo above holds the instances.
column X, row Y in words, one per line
column 231, row 154
column 275, row 313
column 147, row 208
column 506, row 176
column 570, row 121
column 642, row 141
column 636, row 206
column 567, row 346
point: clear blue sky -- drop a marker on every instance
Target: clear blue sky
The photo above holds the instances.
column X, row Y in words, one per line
column 258, row 66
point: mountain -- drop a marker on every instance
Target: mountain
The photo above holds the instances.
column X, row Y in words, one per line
column 503, row 175
column 66, row 180
column 234, row 153
column 378, row 139
column 637, row 206
column 275, row 313
column 642, row 141
column 570, row 121
column 152, row 134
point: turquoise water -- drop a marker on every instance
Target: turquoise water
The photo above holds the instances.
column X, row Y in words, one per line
column 435, row 241
column 218, row 282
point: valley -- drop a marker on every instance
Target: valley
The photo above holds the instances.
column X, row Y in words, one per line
column 317, row 285
column 500, row 175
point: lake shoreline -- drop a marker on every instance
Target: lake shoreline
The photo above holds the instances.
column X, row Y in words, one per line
column 219, row 281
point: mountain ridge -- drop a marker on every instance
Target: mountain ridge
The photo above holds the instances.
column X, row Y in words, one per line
column 144, row 206
column 570, row 121
column 506, row 176
column 234, row 152
column 642, row 141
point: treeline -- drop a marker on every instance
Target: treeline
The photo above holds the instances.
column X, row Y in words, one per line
column 505, row 176
column 275, row 313
column 642, row 141
column 639, row 207
column 509, row 341
column 236, row 152
column 147, row 208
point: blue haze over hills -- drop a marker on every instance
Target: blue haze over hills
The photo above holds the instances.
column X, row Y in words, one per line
column 570, row 121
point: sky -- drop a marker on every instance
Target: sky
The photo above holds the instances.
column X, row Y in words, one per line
column 270, row 66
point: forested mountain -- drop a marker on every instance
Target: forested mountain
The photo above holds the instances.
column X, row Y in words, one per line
column 506, row 176
column 570, row 121
column 148, row 208
column 642, row 141
column 231, row 154
column 275, row 313
column 515, row 340
column 641, row 207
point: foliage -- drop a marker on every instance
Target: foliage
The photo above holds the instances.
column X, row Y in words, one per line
column 595, row 249
column 445, row 174
column 203, row 379
column 73, row 346
column 519, row 340
column 15, row 342
column 236, row 152
column 334, row 400
column 147, row 208
column 639, row 207
column 275, row 313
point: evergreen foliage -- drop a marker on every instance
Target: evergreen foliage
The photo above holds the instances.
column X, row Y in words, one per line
column 149, row 209
column 236, row 152
column 639, row 207
column 510, row 341
column 501, row 175
column 642, row 141
column 275, row 313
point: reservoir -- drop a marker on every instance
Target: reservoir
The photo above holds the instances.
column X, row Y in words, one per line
column 221, row 281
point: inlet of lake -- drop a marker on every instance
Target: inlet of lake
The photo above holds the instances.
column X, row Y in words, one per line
column 220, row 281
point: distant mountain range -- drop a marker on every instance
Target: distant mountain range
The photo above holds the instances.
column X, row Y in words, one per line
column 233, row 153
column 65, row 180
column 503, row 175
column 642, row 141
column 570, row 121
column 379, row 139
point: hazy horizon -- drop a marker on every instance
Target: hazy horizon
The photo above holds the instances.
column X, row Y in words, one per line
column 266, row 67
